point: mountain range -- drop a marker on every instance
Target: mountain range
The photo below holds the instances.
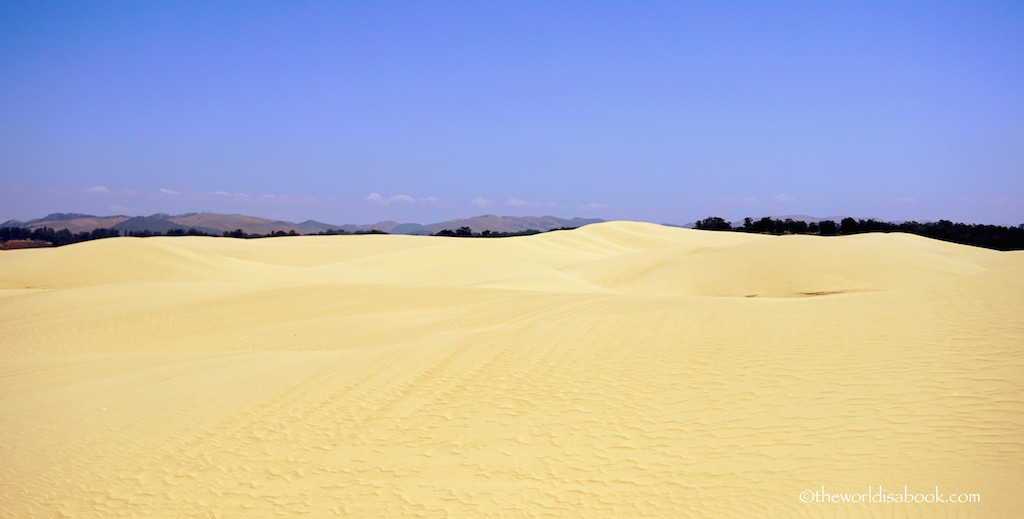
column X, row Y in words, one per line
column 216, row 223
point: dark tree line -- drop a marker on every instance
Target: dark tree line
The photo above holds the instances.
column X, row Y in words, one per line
column 991, row 236
column 466, row 232
column 46, row 236
column 238, row 233
column 53, row 237
column 192, row 231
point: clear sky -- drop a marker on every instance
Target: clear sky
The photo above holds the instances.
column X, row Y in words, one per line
column 355, row 112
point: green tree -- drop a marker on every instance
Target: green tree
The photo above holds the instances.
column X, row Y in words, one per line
column 848, row 226
column 827, row 228
column 714, row 223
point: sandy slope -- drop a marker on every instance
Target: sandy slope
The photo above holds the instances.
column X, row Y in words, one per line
column 619, row 370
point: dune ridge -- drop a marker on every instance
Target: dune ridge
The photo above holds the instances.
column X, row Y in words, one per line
column 621, row 369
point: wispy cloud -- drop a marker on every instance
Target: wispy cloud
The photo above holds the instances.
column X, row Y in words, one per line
column 744, row 200
column 97, row 190
column 203, row 196
column 226, row 194
column 433, row 201
column 515, row 202
column 377, row 198
column 780, row 198
column 594, row 206
column 286, row 199
column 480, row 202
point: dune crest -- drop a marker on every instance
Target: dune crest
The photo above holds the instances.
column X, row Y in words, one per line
column 621, row 369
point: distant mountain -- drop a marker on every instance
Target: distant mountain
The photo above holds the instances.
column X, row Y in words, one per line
column 388, row 226
column 494, row 223
column 145, row 223
column 213, row 223
column 408, row 228
column 313, row 224
column 249, row 224
column 216, row 223
column 156, row 224
column 74, row 222
column 60, row 217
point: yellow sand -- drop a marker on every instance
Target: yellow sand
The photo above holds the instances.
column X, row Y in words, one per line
column 618, row 370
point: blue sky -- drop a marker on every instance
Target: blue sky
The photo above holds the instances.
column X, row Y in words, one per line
column 355, row 112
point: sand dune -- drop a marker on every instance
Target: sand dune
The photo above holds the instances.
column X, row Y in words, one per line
column 617, row 370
